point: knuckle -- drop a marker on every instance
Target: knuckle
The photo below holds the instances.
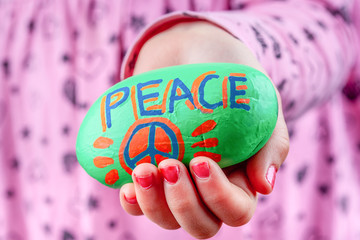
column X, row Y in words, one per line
column 157, row 216
column 200, row 231
column 233, row 218
column 150, row 211
column 204, row 234
column 172, row 225
column 217, row 200
column 182, row 207
column 284, row 146
column 239, row 219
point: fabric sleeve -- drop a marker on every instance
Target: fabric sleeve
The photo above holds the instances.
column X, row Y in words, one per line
column 308, row 50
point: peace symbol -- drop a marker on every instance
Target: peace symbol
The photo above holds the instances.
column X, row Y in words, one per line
column 150, row 140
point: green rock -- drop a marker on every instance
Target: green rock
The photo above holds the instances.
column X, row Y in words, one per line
column 221, row 110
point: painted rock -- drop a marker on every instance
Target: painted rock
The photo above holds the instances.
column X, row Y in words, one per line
column 224, row 111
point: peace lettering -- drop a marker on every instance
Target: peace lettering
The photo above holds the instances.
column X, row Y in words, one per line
column 175, row 90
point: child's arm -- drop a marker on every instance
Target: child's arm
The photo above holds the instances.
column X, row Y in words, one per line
column 215, row 196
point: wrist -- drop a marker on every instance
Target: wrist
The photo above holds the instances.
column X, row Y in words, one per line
column 193, row 42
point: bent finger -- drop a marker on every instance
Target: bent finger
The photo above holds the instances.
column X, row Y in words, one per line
column 184, row 201
column 128, row 200
column 150, row 196
column 233, row 204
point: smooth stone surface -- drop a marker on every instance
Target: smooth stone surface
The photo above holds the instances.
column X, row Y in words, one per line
column 221, row 110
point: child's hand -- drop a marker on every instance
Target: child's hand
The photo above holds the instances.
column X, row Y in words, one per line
column 215, row 195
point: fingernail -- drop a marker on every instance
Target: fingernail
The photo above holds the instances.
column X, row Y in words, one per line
column 271, row 175
column 170, row 173
column 131, row 200
column 201, row 170
column 145, row 181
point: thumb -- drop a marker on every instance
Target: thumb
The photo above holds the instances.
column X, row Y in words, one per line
column 262, row 167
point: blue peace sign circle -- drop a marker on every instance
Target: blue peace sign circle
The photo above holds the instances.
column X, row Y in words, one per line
column 151, row 151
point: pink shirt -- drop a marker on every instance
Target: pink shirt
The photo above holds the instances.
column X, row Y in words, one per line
column 58, row 56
